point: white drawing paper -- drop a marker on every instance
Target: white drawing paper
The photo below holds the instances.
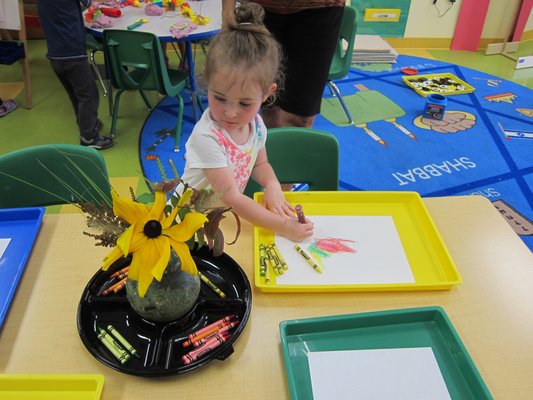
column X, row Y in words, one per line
column 378, row 374
column 4, row 242
column 379, row 257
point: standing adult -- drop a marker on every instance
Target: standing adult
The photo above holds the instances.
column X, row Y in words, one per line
column 308, row 31
column 62, row 23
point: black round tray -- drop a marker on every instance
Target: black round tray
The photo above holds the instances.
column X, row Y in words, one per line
column 160, row 344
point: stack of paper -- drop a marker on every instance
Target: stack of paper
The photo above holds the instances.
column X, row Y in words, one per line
column 372, row 49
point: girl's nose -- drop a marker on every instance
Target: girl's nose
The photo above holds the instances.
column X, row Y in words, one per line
column 230, row 112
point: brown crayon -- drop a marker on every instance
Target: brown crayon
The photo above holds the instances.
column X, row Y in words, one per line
column 121, row 271
column 300, row 213
column 113, row 287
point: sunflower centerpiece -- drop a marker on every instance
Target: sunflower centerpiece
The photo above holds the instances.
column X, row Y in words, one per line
column 154, row 234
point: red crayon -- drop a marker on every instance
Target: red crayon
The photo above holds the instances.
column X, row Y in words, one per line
column 221, row 331
column 300, row 213
column 206, row 348
column 220, row 322
column 111, row 12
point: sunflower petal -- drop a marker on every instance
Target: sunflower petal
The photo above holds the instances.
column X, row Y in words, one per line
column 187, row 262
column 127, row 209
column 145, row 278
column 184, row 230
column 164, row 256
column 170, row 219
column 185, row 197
column 124, row 240
column 113, row 256
column 160, row 202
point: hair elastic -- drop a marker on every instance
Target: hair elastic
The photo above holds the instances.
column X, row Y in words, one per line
column 244, row 23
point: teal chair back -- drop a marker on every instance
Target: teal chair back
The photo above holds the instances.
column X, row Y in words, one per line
column 342, row 58
column 136, row 62
column 302, row 155
column 53, row 174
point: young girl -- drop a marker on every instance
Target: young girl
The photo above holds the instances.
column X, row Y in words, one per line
column 227, row 145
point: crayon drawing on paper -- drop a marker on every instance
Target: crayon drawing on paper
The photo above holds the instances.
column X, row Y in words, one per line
column 349, row 250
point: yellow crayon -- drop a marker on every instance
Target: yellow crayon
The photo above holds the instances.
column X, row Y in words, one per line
column 307, row 258
column 267, row 275
column 262, row 260
column 120, row 354
column 276, row 265
column 123, row 341
column 280, row 258
column 211, row 285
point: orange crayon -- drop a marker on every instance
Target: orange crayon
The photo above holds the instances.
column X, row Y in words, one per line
column 121, row 271
column 220, row 322
column 112, row 288
column 214, row 329
column 221, row 331
column 206, row 348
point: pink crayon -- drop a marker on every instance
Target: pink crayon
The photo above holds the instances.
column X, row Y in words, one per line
column 210, row 345
column 220, row 323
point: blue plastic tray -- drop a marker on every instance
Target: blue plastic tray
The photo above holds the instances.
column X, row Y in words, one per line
column 22, row 226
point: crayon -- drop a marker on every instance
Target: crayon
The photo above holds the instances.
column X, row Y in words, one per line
column 120, row 354
column 276, row 265
column 214, row 329
column 221, row 331
column 121, row 272
column 212, row 344
column 280, row 258
column 123, row 341
column 219, row 324
column 300, row 213
column 211, row 285
column 113, row 287
column 307, row 258
column 262, row 260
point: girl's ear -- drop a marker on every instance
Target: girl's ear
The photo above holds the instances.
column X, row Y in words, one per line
column 271, row 89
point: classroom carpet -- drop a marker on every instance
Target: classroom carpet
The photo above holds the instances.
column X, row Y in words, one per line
column 483, row 146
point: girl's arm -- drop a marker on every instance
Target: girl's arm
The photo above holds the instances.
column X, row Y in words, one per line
column 273, row 198
column 222, row 181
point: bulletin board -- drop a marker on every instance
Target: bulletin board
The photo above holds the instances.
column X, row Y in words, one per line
column 380, row 17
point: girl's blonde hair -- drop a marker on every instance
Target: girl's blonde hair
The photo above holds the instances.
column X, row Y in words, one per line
column 244, row 45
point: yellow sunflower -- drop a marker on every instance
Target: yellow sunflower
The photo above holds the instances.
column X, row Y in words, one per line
column 149, row 238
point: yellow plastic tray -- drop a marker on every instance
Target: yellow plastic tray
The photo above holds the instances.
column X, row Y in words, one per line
column 51, row 387
column 445, row 90
column 428, row 257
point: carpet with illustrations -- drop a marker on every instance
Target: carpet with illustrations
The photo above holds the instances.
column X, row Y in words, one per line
column 482, row 146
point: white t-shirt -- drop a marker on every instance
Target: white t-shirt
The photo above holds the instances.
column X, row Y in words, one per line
column 210, row 146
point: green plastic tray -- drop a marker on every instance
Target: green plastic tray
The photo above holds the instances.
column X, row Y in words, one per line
column 406, row 328
column 51, row 386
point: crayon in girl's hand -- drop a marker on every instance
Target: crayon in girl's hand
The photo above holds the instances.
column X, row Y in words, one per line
column 300, row 213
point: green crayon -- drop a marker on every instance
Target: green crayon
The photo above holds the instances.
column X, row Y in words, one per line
column 280, row 258
column 123, row 341
column 120, row 354
column 276, row 265
column 262, row 260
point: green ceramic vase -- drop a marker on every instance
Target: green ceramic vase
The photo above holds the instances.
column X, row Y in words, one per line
column 168, row 300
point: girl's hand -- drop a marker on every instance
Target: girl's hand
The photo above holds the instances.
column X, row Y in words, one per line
column 296, row 231
column 274, row 200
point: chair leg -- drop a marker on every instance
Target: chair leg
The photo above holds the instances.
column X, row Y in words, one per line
column 115, row 113
column 145, row 99
column 178, row 124
column 335, row 89
column 97, row 72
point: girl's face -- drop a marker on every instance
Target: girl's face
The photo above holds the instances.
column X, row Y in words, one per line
column 234, row 100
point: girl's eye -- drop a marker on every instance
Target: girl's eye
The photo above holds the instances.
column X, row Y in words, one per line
column 245, row 105
column 221, row 99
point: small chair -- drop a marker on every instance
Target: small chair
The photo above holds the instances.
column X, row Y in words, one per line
column 51, row 174
column 136, row 62
column 342, row 59
column 302, row 155
column 94, row 46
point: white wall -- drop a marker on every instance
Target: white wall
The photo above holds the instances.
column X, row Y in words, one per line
column 424, row 20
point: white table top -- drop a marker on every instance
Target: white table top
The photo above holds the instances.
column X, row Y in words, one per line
column 160, row 25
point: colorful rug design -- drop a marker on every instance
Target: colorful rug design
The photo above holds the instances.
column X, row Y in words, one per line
column 483, row 146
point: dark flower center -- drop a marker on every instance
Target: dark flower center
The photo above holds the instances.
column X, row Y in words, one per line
column 152, row 228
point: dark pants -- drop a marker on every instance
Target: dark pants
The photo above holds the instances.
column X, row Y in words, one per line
column 77, row 79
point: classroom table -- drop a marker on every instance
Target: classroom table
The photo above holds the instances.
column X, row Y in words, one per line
column 492, row 311
column 160, row 25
